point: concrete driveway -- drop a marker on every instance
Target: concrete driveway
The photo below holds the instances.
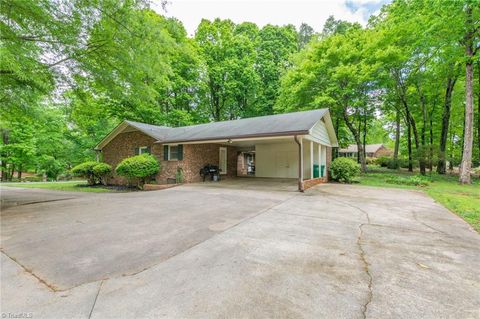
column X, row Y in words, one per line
column 196, row 251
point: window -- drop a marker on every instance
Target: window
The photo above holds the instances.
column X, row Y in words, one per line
column 173, row 152
column 142, row 150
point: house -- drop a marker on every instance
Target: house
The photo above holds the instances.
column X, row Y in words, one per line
column 371, row 150
column 292, row 145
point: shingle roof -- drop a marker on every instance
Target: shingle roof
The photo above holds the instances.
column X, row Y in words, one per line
column 369, row 148
column 155, row 131
column 297, row 123
column 271, row 125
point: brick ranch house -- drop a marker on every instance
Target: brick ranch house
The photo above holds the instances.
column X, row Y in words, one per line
column 371, row 150
column 292, row 145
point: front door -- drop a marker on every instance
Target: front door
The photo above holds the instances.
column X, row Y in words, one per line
column 223, row 160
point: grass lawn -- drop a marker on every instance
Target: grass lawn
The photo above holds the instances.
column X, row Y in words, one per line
column 463, row 200
column 71, row 186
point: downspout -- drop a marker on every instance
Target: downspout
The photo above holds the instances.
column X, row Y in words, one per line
column 300, row 164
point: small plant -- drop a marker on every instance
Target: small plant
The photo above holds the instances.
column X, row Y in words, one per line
column 85, row 170
column 179, row 175
column 138, row 167
column 411, row 181
column 344, row 170
column 102, row 171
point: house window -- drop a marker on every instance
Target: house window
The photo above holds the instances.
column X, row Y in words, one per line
column 173, row 152
column 142, row 150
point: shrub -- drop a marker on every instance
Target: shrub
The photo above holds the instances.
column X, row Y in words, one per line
column 179, row 175
column 138, row 167
column 371, row 161
column 344, row 169
column 85, row 170
column 411, row 181
column 384, row 161
column 102, row 171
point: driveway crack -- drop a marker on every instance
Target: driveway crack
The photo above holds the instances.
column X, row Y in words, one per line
column 95, row 300
column 363, row 257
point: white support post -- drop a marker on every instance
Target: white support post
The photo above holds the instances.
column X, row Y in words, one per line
column 311, row 159
column 319, row 159
column 301, row 159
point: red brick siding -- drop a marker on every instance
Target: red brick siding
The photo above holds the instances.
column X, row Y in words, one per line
column 195, row 156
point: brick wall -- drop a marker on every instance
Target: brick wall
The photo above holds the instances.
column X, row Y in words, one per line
column 383, row 151
column 195, row 156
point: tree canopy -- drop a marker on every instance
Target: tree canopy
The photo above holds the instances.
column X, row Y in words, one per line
column 72, row 70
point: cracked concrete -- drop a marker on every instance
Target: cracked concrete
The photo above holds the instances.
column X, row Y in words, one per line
column 196, row 251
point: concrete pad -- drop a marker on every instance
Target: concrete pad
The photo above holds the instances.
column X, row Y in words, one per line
column 335, row 251
column 72, row 242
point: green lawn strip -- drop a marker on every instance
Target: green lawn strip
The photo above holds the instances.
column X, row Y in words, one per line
column 463, row 200
column 73, row 186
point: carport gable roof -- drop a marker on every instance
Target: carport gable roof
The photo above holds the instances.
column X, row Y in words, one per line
column 287, row 124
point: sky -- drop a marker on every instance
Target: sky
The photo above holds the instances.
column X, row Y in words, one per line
column 262, row 12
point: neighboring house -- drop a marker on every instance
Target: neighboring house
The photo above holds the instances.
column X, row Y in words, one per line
column 371, row 150
column 290, row 145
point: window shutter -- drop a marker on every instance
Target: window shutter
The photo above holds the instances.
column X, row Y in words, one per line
column 180, row 152
column 165, row 152
column 137, row 150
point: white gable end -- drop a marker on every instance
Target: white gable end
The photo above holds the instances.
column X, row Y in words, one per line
column 320, row 134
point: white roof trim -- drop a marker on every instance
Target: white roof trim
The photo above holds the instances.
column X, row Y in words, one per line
column 119, row 129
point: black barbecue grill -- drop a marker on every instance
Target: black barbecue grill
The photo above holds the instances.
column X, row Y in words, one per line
column 210, row 170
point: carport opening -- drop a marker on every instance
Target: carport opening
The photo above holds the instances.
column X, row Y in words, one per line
column 246, row 163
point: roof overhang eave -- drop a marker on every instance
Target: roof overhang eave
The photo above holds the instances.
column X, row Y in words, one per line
column 232, row 137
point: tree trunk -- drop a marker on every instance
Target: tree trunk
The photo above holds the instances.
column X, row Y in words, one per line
column 356, row 135
column 19, row 172
column 447, row 106
column 397, row 140
column 409, row 146
column 421, row 151
column 4, row 155
column 466, row 164
column 478, row 113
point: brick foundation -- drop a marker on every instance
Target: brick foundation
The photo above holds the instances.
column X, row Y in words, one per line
column 314, row 181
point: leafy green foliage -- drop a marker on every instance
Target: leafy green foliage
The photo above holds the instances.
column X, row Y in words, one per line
column 138, row 167
column 102, row 171
column 344, row 169
column 85, row 170
column 412, row 180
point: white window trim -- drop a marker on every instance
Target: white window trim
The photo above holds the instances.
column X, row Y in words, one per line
column 226, row 160
column 142, row 150
column 172, row 159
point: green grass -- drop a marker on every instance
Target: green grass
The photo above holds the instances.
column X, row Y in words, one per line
column 463, row 200
column 72, row 186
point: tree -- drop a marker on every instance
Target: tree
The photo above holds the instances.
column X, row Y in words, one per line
column 305, row 34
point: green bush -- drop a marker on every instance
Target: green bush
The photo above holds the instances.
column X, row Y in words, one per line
column 344, row 169
column 179, row 177
column 85, row 170
column 102, row 171
column 411, row 181
column 138, row 167
column 371, row 161
column 384, row 161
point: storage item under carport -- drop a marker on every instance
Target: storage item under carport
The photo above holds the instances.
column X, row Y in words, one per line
column 210, row 170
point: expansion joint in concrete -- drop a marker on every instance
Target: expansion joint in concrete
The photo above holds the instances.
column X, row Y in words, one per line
column 29, row 271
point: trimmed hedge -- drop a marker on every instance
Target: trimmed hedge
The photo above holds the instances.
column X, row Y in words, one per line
column 93, row 172
column 102, row 171
column 85, row 170
column 344, row 169
column 138, row 167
